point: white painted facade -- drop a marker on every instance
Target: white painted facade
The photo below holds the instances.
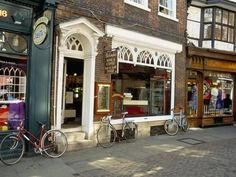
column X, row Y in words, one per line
column 88, row 35
column 157, row 47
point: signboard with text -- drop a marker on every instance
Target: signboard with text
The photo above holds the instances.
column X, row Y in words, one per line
column 13, row 16
column 111, row 65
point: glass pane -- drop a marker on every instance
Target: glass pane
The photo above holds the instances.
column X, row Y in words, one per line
column 218, row 15
column 164, row 3
column 224, row 33
column 192, row 99
column 225, row 17
column 138, row 1
column 13, row 43
column 166, row 7
column 207, row 31
column 217, row 32
column 12, row 92
column 231, row 19
column 231, row 35
column 147, row 91
column 208, row 15
column 170, row 4
column 218, row 95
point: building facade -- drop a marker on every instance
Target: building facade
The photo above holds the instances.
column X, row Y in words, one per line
column 211, row 63
column 26, row 33
column 114, row 56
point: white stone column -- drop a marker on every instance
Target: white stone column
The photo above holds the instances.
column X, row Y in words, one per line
column 88, row 96
column 59, row 90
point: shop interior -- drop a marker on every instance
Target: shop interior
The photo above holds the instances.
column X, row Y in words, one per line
column 146, row 90
column 73, row 92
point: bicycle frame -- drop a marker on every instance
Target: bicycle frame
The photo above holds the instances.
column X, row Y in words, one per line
column 27, row 135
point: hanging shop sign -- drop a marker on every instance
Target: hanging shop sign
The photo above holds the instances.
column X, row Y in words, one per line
column 111, row 60
column 40, row 30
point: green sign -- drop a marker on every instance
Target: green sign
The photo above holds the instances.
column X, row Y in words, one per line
column 13, row 16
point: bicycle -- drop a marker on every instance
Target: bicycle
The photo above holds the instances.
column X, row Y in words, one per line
column 177, row 121
column 107, row 134
column 52, row 142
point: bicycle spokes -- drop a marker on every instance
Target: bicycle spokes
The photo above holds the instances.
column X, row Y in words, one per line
column 11, row 149
column 54, row 143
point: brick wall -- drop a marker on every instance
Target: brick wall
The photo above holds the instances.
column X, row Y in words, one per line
column 102, row 12
column 127, row 16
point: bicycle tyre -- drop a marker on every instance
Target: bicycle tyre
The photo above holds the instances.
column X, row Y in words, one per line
column 130, row 132
column 171, row 127
column 185, row 124
column 106, row 135
column 12, row 149
column 54, row 143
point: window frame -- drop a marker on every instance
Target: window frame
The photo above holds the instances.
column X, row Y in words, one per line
column 221, row 25
column 173, row 16
column 143, row 6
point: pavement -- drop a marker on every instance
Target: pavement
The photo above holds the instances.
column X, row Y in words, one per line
column 200, row 152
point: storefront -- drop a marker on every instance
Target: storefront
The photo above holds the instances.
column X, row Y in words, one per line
column 144, row 77
column 25, row 57
column 210, row 87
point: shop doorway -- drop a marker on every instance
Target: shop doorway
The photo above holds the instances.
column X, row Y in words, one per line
column 73, row 92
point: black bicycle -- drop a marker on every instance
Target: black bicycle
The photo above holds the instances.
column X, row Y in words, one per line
column 107, row 134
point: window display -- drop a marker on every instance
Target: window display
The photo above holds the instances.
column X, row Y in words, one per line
column 12, row 93
column 217, row 93
column 146, row 90
column 192, row 98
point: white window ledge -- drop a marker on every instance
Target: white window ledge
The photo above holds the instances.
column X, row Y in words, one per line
column 143, row 7
column 167, row 16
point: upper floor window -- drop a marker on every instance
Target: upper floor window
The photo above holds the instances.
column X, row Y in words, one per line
column 142, row 4
column 223, row 28
column 167, row 8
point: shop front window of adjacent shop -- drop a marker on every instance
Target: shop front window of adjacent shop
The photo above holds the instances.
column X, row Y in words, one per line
column 12, row 80
column 146, row 90
column 192, row 98
column 217, row 94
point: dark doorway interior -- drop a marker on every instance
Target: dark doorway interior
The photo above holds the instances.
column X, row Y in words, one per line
column 73, row 92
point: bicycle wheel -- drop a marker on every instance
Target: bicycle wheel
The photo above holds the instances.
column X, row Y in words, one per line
column 54, row 143
column 171, row 127
column 130, row 132
column 185, row 124
column 12, row 149
column 106, row 135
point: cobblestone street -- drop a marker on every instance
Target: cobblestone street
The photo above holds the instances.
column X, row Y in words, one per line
column 198, row 153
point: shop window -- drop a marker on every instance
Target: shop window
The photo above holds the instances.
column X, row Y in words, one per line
column 192, row 98
column 13, row 43
column 146, row 91
column 217, row 94
column 12, row 94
